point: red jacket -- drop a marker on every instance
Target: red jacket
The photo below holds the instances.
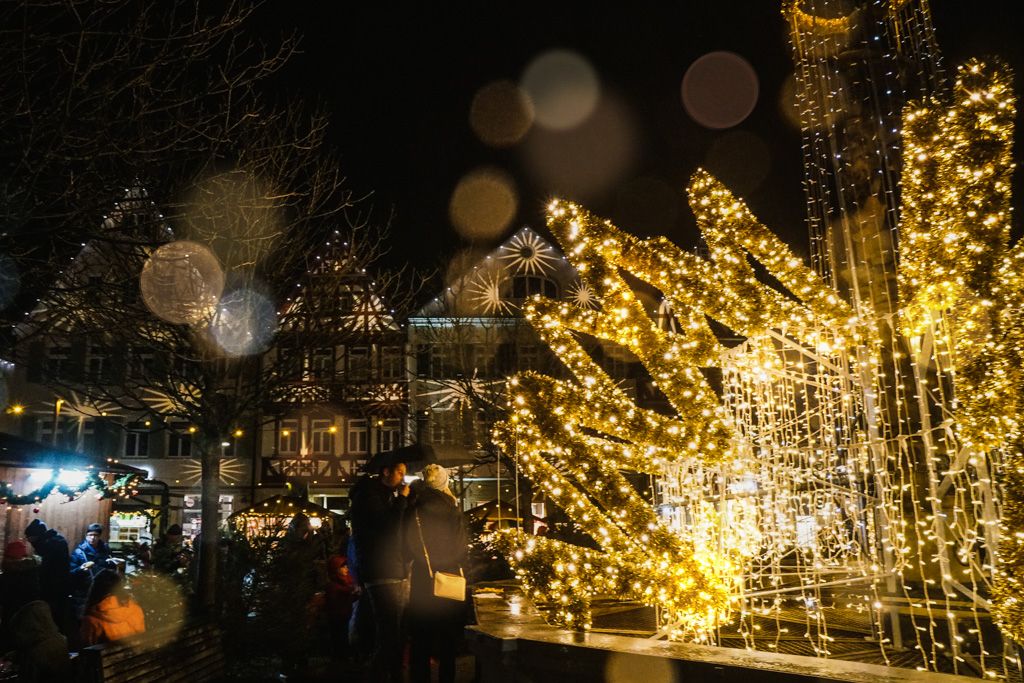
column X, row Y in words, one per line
column 340, row 596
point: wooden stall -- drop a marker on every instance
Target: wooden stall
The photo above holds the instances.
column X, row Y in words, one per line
column 270, row 517
column 25, row 466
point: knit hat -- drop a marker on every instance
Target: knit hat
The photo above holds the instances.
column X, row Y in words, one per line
column 18, row 557
column 94, row 528
column 435, row 476
column 35, row 528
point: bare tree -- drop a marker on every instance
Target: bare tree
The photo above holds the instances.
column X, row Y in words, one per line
column 222, row 203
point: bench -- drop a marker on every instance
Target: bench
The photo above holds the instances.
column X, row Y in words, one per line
column 192, row 653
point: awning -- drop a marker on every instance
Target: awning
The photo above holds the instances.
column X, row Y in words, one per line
column 18, row 452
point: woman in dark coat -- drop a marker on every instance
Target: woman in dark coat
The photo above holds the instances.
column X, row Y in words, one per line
column 434, row 537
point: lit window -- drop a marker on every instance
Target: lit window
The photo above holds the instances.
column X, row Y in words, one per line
column 288, row 436
column 322, row 437
column 357, row 436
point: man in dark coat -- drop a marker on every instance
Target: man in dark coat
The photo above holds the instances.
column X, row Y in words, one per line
column 87, row 560
column 378, row 505
column 54, row 571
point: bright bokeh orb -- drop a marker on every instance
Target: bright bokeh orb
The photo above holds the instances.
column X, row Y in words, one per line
column 483, row 204
column 563, row 87
column 10, row 281
column 501, row 114
column 589, row 160
column 245, row 323
column 181, row 282
column 720, row 90
column 789, row 106
column 163, row 601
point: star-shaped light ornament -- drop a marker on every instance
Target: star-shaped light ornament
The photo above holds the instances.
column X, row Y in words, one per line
column 959, row 281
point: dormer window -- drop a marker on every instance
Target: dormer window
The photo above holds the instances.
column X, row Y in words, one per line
column 524, row 286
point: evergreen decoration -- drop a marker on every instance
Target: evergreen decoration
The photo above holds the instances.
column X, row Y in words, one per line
column 122, row 487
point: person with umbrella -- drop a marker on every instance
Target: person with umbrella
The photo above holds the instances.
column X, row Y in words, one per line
column 378, row 503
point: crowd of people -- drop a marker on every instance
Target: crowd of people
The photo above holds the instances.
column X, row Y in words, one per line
column 369, row 594
column 54, row 601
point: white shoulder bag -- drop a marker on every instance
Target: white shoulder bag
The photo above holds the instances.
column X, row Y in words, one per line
column 446, row 585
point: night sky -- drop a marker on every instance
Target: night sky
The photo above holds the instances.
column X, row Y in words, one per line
column 399, row 84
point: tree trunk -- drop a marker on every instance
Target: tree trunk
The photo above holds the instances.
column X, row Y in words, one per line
column 206, row 585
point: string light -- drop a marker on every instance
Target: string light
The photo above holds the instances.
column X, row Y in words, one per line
column 850, row 456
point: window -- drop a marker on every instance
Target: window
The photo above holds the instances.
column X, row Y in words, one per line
column 143, row 364
column 66, row 436
column 358, row 362
column 346, row 303
column 442, row 429
column 288, row 436
column 323, row 436
column 136, row 443
column 483, row 423
column 58, row 360
column 392, row 363
column 321, row 363
column 524, row 286
column 485, row 360
column 390, row 435
column 443, row 361
column 357, row 436
column 97, row 364
column 179, row 445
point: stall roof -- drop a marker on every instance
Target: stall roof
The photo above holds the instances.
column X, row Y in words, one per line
column 492, row 509
column 283, row 506
column 18, row 452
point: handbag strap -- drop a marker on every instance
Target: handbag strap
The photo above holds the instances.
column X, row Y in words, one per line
column 419, row 529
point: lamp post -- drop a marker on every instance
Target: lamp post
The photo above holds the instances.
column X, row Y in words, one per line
column 56, row 419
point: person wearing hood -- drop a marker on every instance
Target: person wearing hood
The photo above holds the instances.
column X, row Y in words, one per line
column 434, row 537
column 54, row 570
column 28, row 629
column 110, row 613
column 340, row 596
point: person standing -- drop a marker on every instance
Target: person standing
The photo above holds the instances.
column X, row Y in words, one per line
column 170, row 556
column 88, row 559
column 54, row 571
column 378, row 506
column 434, row 535
column 340, row 596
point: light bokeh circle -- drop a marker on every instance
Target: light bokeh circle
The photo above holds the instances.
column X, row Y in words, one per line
column 563, row 87
column 181, row 282
column 720, row 90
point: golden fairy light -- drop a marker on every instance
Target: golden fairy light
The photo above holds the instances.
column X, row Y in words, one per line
column 844, row 459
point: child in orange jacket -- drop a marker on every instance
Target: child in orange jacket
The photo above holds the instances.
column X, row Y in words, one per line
column 110, row 613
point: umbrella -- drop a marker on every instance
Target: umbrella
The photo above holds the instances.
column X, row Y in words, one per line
column 415, row 457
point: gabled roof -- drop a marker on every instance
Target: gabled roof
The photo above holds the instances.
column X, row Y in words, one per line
column 485, row 288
